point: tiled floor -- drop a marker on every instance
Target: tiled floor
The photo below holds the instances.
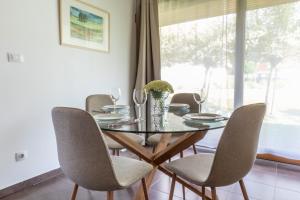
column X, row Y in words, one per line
column 266, row 181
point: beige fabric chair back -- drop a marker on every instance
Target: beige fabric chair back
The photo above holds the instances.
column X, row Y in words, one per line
column 237, row 148
column 97, row 101
column 186, row 98
column 82, row 152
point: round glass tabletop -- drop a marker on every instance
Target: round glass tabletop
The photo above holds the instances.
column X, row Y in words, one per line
column 168, row 123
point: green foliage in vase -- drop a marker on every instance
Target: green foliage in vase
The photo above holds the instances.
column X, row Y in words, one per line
column 158, row 87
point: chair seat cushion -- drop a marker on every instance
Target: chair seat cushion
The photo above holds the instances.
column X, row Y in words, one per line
column 128, row 170
column 195, row 168
column 112, row 144
column 154, row 139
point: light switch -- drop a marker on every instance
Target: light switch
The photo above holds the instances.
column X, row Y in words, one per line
column 15, row 57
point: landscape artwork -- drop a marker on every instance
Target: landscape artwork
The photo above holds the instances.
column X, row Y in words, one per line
column 84, row 25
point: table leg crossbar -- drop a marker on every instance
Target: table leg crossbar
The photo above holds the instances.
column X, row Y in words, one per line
column 162, row 153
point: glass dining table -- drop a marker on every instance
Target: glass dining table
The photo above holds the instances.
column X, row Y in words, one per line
column 188, row 132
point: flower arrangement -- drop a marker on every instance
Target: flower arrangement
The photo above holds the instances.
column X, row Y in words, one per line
column 158, row 87
column 159, row 91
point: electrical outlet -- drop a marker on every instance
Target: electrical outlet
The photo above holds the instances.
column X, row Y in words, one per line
column 15, row 57
column 20, row 156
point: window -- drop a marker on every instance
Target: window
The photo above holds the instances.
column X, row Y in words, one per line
column 198, row 45
column 272, row 69
column 199, row 51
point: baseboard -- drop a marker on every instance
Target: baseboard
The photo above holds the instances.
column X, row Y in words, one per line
column 278, row 159
column 30, row 182
column 263, row 156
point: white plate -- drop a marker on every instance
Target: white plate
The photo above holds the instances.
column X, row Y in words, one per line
column 203, row 117
column 108, row 117
column 117, row 107
column 179, row 105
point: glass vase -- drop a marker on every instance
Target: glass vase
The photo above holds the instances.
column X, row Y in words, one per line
column 158, row 103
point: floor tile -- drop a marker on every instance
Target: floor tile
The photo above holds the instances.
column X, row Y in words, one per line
column 227, row 188
column 281, row 194
column 294, row 168
column 265, row 164
column 157, row 195
column 262, row 175
column 256, row 190
column 259, row 183
column 233, row 196
column 288, row 178
column 164, row 185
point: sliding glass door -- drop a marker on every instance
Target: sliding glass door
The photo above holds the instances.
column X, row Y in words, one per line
column 198, row 46
column 199, row 49
column 272, row 75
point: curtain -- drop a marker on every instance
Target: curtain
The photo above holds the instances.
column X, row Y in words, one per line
column 148, row 43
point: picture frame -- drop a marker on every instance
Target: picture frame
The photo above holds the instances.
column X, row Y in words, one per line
column 84, row 25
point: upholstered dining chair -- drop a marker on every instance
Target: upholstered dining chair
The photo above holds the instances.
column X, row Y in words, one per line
column 186, row 98
column 234, row 156
column 84, row 158
column 93, row 105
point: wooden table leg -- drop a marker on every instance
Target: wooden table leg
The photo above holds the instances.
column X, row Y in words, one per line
column 181, row 143
column 163, row 143
column 162, row 153
column 145, row 189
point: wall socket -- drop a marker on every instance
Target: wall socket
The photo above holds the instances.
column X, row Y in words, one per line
column 15, row 57
column 20, row 156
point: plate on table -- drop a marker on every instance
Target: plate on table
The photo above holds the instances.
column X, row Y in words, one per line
column 113, row 107
column 109, row 117
column 207, row 117
column 179, row 105
column 179, row 108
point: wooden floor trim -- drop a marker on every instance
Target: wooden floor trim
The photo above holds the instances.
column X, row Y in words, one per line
column 262, row 156
column 279, row 159
column 29, row 183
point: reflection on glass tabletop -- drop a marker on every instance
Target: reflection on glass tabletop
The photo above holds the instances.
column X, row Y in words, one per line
column 168, row 123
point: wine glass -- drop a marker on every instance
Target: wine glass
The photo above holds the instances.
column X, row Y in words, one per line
column 115, row 94
column 200, row 97
column 139, row 97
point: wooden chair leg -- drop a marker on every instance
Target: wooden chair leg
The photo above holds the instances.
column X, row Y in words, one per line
column 145, row 189
column 213, row 193
column 110, row 195
column 172, row 187
column 74, row 193
column 183, row 192
column 244, row 191
column 203, row 193
column 194, row 148
column 153, row 149
column 113, row 152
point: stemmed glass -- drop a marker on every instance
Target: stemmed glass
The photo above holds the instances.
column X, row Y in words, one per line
column 139, row 97
column 115, row 94
column 200, row 97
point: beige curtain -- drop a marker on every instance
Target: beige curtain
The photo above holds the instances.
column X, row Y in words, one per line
column 148, row 44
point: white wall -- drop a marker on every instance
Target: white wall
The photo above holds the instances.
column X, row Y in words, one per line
column 51, row 75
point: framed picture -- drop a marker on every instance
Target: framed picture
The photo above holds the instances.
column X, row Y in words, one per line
column 84, row 25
